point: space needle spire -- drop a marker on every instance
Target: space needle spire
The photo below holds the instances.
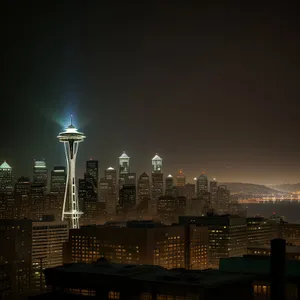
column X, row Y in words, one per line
column 71, row 138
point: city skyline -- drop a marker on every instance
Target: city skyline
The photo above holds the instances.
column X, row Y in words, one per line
column 210, row 88
column 188, row 171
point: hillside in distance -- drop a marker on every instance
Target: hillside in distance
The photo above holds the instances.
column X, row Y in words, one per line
column 290, row 188
column 250, row 188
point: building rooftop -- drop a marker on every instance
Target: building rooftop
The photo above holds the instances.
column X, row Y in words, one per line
column 156, row 157
column 5, row 166
column 124, row 155
column 289, row 249
column 170, row 176
column 149, row 273
column 256, row 265
column 110, row 169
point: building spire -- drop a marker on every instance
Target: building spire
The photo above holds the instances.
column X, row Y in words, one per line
column 71, row 120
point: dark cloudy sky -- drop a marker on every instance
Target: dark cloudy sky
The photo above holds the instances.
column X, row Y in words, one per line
column 208, row 86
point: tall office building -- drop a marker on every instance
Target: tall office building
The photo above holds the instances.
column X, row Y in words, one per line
column 92, row 174
column 130, row 178
column 169, row 186
column 213, row 188
column 71, row 138
column 202, row 185
column 91, row 187
column 143, row 188
column 57, row 191
column 58, row 180
column 37, row 201
column 6, row 181
column 223, row 199
column 157, row 178
column 92, row 169
column 40, row 172
column 190, row 191
column 157, row 163
column 180, row 179
column 123, row 168
column 110, row 176
column 22, row 196
column 127, row 199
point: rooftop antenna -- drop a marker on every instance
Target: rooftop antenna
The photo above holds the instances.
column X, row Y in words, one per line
column 72, row 120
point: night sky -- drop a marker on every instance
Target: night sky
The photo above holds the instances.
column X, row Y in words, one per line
column 208, row 87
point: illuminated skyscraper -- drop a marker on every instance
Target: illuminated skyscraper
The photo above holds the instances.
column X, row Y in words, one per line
column 143, row 188
column 58, row 179
column 40, row 172
column 71, row 139
column 169, row 186
column 157, row 178
column 223, row 199
column 108, row 190
column 5, row 177
column 92, row 173
column 180, row 179
column 202, row 185
column 123, row 168
column 213, row 187
column 156, row 163
column 92, row 168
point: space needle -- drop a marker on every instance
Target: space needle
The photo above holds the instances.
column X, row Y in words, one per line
column 71, row 138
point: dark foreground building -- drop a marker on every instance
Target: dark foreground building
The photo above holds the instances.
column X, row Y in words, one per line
column 104, row 280
column 275, row 272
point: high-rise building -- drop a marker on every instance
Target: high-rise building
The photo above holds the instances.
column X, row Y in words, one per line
column 143, row 188
column 190, row 191
column 58, row 180
column 37, row 201
column 92, row 169
column 91, row 187
column 8, row 207
column 71, row 138
column 223, row 199
column 27, row 248
column 130, row 178
column 180, row 179
column 124, row 168
column 202, row 193
column 213, row 188
column 57, row 191
column 6, row 181
column 157, row 163
column 228, row 235
column 22, row 196
column 169, row 186
column 127, row 199
column 110, row 176
column 202, row 185
column 157, row 178
column 40, row 172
